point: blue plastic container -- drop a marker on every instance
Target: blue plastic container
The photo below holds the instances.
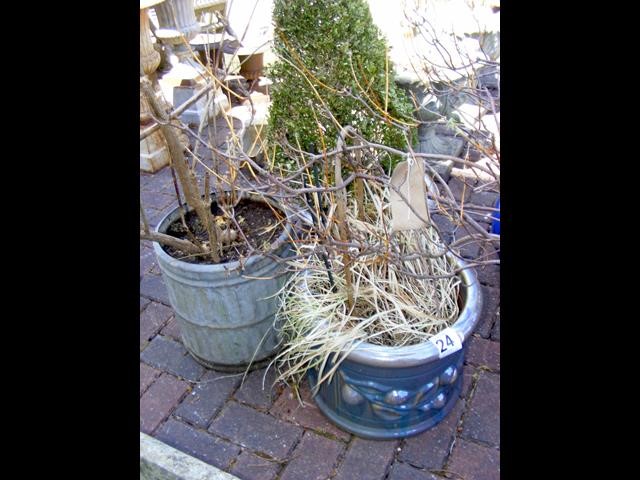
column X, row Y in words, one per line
column 495, row 224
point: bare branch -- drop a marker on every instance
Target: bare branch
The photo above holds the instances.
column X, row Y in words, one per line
column 184, row 245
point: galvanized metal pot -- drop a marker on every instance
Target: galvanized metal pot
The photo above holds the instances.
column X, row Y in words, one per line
column 383, row 392
column 226, row 313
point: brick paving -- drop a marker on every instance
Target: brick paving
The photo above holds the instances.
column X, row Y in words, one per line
column 172, row 357
column 152, row 288
column 491, row 297
column 207, row 398
column 430, row 449
column 198, row 443
column 249, row 465
column 402, row 471
column 252, row 393
column 307, row 415
column 256, row 430
column 153, row 318
column 484, row 353
column 482, row 420
column 143, row 302
column 367, row 459
column 315, row 458
column 171, row 330
column 259, row 434
column 159, row 400
column 495, row 332
column 472, row 461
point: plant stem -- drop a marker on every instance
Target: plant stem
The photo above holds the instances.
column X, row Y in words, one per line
column 184, row 245
column 343, row 229
column 358, row 187
column 186, row 177
column 144, row 219
column 316, row 221
column 181, row 209
column 178, row 111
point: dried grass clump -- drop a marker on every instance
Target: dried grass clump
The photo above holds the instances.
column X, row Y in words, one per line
column 404, row 290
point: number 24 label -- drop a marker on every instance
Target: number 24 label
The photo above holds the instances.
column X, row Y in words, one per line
column 446, row 342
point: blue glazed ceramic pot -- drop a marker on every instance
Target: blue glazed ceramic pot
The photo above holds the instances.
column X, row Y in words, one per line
column 382, row 393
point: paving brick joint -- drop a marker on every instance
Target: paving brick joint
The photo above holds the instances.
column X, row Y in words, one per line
column 265, row 434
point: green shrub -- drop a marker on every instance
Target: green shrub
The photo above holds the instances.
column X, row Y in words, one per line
column 330, row 41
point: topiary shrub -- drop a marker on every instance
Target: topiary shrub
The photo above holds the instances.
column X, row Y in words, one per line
column 325, row 50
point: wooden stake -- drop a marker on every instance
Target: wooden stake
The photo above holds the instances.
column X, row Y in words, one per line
column 343, row 229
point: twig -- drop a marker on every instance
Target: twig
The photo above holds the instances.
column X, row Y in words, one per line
column 178, row 111
column 185, row 176
column 144, row 219
column 170, row 241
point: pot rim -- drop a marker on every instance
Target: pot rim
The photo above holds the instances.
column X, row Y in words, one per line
column 418, row 354
column 225, row 266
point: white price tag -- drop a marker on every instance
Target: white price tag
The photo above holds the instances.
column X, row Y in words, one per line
column 447, row 342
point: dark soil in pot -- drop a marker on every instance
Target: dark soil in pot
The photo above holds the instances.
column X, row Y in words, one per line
column 257, row 220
